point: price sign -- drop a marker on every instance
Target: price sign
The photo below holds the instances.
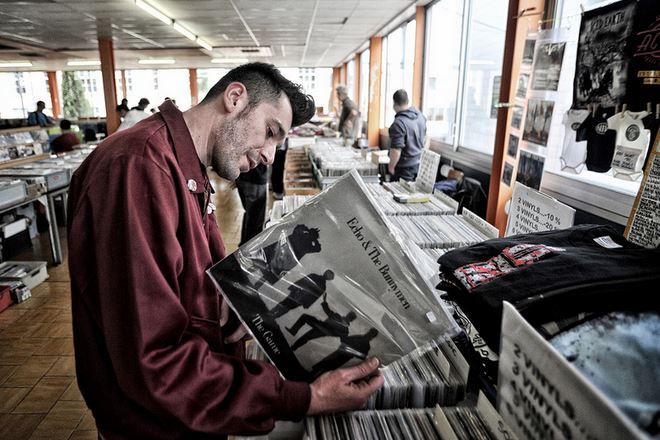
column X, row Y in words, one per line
column 532, row 211
column 428, row 170
column 644, row 221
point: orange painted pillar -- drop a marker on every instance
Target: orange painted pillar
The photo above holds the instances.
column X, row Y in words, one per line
column 194, row 90
column 109, row 90
column 418, row 66
column 54, row 94
column 375, row 65
column 344, row 71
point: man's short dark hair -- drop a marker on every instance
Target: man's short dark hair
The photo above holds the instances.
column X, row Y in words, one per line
column 143, row 102
column 41, row 103
column 265, row 83
column 65, row 124
column 400, row 98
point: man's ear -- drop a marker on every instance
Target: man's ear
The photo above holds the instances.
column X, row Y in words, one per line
column 235, row 97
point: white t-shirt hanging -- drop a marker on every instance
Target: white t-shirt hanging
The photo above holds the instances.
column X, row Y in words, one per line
column 632, row 141
column 573, row 153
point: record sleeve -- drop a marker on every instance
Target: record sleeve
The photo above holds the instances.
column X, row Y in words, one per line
column 331, row 285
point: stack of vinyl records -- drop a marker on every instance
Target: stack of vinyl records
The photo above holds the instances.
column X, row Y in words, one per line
column 389, row 206
column 401, row 187
column 335, row 161
column 421, row 379
column 445, row 231
column 463, row 423
column 285, row 206
column 436, row 253
column 254, row 352
column 374, row 425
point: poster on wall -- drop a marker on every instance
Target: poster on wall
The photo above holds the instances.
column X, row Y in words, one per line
column 507, row 173
column 603, row 55
column 547, row 67
column 516, row 117
column 523, row 82
column 537, row 121
column 513, row 146
column 530, row 169
column 528, row 52
column 644, row 78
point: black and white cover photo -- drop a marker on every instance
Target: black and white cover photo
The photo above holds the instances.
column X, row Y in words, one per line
column 331, row 285
column 528, row 52
column 516, row 116
column 537, row 121
column 530, row 169
column 523, row 83
column 512, row 150
column 603, row 55
column 507, row 173
column 547, row 66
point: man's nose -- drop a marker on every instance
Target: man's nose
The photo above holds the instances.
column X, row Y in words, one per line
column 267, row 154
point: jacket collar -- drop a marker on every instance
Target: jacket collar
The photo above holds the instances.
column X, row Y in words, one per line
column 184, row 148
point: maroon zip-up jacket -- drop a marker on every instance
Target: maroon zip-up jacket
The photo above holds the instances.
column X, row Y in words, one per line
column 150, row 359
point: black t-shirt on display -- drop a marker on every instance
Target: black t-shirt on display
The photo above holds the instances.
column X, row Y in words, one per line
column 601, row 142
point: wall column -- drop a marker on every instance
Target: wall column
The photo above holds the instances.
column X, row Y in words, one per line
column 373, row 118
column 344, row 71
column 109, row 91
column 54, row 94
column 194, row 90
column 418, row 66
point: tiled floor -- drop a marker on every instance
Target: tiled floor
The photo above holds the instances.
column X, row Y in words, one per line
column 39, row 397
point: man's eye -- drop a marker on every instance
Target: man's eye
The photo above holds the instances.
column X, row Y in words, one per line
column 269, row 132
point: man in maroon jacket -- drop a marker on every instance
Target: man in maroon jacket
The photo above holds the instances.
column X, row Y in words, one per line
column 158, row 354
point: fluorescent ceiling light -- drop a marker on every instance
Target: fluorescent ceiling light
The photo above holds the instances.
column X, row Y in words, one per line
column 16, row 64
column 157, row 61
column 229, row 60
column 183, row 31
column 155, row 12
column 204, row 44
column 84, row 63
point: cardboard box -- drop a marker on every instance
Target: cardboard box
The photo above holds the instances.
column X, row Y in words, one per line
column 541, row 395
column 30, row 273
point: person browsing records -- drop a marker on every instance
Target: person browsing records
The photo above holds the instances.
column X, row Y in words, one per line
column 407, row 136
column 159, row 354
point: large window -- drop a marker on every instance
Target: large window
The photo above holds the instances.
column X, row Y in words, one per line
column 206, row 78
column 398, row 72
column 485, row 48
column 21, row 91
column 350, row 79
column 158, row 84
column 364, row 84
column 314, row 81
column 464, row 51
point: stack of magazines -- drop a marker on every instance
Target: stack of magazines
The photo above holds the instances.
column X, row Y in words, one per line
column 331, row 285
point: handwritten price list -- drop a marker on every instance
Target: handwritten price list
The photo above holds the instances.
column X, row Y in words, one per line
column 645, row 227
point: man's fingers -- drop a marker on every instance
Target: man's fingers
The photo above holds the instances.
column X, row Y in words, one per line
column 224, row 312
column 361, row 370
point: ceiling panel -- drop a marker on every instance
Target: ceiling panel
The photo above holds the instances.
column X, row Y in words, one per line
column 66, row 29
